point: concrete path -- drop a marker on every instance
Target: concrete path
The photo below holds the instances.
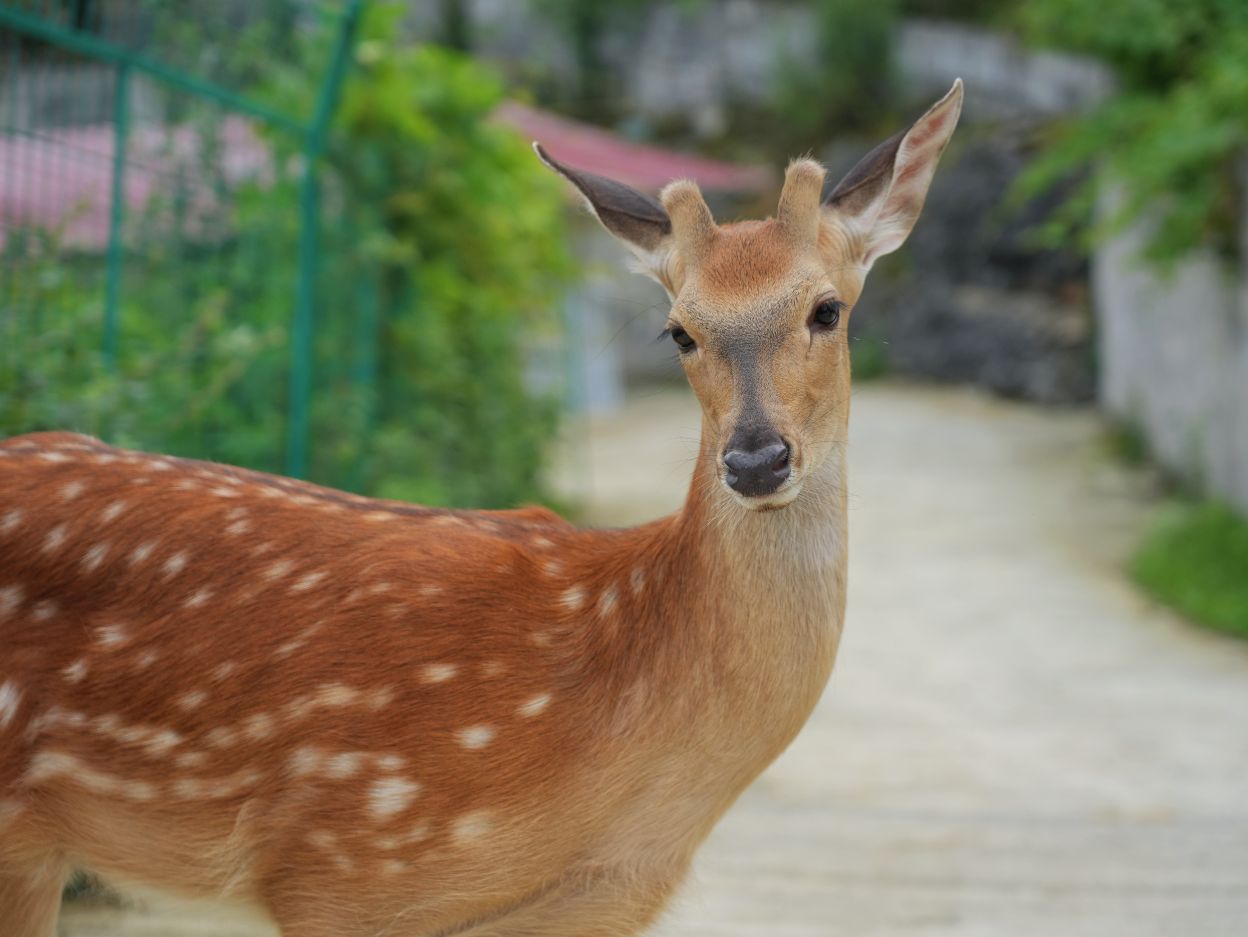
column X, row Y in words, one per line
column 1015, row 743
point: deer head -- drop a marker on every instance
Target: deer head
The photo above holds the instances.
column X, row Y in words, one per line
column 760, row 308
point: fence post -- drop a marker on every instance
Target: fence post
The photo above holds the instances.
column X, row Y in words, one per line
column 298, row 419
column 117, row 214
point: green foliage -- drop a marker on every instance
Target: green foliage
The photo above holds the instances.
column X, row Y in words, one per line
column 1196, row 560
column 851, row 89
column 1172, row 136
column 1127, row 443
column 442, row 261
column 466, row 231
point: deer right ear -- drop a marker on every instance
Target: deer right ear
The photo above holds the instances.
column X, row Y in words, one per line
column 635, row 218
column 879, row 201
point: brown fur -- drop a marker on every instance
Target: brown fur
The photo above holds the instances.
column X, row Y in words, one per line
column 370, row 718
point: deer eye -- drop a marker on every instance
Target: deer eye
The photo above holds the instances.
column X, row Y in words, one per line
column 682, row 338
column 827, row 314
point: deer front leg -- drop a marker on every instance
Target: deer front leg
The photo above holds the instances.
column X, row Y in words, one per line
column 30, row 899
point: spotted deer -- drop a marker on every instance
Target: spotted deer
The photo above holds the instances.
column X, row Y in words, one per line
column 369, row 718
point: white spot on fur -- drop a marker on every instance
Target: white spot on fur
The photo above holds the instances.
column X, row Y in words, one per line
column 110, row 513
column 111, row 636
column 175, row 564
column 304, row 583
column 190, row 759
column 191, row 700
column 637, row 580
column 43, row 610
column 238, row 527
column 10, row 699
column 54, row 538
column 475, row 737
column 535, row 705
column 54, row 457
column 553, row 567
column 76, row 671
column 94, row 556
column 305, row 761
column 278, row 569
column 146, row 659
column 344, row 766
column 223, row 671
column 493, row 668
column 258, row 726
column 10, row 520
column 430, row 589
column 216, row 788
column 198, row 597
column 391, row 762
column 221, row 737
column 606, row 601
column 140, row 553
column 160, row 741
column 389, row 796
column 379, row 699
column 438, row 673
column 49, row 765
column 10, row 600
column 573, row 598
column 159, row 465
column 223, row 492
column 334, row 695
column 471, row 826
column 542, row 543
column 393, row 867
column 72, row 490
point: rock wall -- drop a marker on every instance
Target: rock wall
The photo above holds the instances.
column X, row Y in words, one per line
column 1173, row 354
column 969, row 299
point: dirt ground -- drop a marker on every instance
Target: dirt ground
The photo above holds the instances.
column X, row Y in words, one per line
column 1015, row 741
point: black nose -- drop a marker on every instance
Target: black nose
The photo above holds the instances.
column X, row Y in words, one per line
column 757, row 471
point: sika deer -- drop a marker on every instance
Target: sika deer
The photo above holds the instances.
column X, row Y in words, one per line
column 368, row 718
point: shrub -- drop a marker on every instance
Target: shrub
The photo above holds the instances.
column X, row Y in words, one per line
column 1174, row 132
column 443, row 259
column 1196, row 560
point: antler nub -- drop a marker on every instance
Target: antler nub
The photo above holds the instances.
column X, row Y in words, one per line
column 799, row 209
column 693, row 225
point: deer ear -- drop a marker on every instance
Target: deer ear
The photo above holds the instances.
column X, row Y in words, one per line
column 637, row 219
column 879, row 201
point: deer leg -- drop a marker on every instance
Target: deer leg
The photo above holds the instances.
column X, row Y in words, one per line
column 30, row 900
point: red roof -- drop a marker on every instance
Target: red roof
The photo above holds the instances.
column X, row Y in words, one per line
column 64, row 175
column 649, row 168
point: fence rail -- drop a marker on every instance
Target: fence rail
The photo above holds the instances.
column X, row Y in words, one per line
column 130, row 130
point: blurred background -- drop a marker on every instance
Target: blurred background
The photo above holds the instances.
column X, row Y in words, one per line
column 309, row 237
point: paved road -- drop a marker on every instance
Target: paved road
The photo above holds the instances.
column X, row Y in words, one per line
column 1015, row 742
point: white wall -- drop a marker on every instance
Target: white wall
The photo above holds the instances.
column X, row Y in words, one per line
column 1174, row 358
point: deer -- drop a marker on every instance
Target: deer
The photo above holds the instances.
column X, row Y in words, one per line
column 364, row 717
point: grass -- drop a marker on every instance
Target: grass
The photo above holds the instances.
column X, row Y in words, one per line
column 1195, row 559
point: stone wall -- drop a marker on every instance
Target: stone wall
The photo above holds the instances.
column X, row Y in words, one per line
column 1173, row 352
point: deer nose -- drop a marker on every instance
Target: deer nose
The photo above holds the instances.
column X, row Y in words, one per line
column 757, row 471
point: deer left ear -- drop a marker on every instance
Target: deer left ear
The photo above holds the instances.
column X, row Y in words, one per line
column 639, row 221
column 879, row 201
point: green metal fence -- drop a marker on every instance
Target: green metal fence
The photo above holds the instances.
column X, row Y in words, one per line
column 153, row 164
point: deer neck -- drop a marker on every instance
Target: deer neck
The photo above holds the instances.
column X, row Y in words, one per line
column 768, row 595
